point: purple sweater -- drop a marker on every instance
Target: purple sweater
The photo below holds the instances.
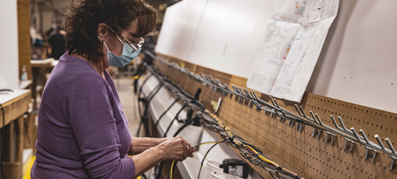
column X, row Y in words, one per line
column 82, row 130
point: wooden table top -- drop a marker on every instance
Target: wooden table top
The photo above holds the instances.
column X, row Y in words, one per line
column 15, row 104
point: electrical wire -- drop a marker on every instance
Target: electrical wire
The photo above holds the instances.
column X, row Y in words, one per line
column 186, row 124
column 208, row 151
column 250, row 148
column 143, row 84
column 165, row 112
column 204, row 143
column 138, row 98
column 147, row 102
column 172, row 168
column 254, row 154
column 176, row 116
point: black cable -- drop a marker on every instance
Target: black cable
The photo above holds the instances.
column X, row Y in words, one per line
column 176, row 116
column 139, row 94
column 165, row 112
column 143, row 84
column 143, row 116
column 147, row 98
column 3, row 142
column 160, row 168
column 189, row 115
column 186, row 124
column 143, row 176
column 153, row 70
column 158, row 175
column 202, row 161
column 8, row 90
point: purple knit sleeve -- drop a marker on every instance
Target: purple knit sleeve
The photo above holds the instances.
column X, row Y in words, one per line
column 89, row 113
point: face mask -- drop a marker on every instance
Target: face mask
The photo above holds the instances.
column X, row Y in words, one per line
column 128, row 56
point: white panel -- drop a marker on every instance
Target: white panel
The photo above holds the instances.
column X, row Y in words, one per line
column 9, row 43
column 358, row 62
column 179, row 28
column 230, row 34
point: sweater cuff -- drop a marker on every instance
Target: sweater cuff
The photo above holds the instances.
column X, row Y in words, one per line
column 128, row 168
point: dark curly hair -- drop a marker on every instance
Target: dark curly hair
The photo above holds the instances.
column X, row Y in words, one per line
column 81, row 25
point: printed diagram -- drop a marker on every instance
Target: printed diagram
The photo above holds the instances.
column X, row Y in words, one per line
column 276, row 46
column 291, row 47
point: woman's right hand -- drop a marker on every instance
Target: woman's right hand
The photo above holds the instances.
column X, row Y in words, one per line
column 175, row 148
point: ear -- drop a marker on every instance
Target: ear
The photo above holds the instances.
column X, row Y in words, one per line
column 103, row 31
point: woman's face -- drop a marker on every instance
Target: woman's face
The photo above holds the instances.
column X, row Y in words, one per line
column 115, row 45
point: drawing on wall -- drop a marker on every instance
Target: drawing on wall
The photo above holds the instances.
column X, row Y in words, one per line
column 291, row 47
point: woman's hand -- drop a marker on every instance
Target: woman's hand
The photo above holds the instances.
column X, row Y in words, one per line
column 175, row 148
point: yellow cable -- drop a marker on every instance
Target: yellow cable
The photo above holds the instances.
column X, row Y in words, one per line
column 229, row 132
column 172, row 166
column 204, row 143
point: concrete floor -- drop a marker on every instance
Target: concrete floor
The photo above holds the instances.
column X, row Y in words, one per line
column 129, row 101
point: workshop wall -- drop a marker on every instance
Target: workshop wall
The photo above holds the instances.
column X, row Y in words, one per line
column 308, row 155
column 356, row 63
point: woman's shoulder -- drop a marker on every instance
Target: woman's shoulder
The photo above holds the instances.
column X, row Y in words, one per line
column 75, row 74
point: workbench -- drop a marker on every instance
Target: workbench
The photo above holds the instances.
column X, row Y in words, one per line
column 15, row 105
column 38, row 77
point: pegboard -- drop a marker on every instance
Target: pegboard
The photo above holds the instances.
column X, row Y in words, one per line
column 282, row 142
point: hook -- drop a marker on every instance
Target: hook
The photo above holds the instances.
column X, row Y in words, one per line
column 299, row 111
column 247, row 93
column 314, row 118
column 303, row 112
column 226, row 87
column 319, row 120
column 379, row 141
column 355, row 134
column 393, row 158
column 390, row 146
column 364, row 136
column 271, row 99
column 254, row 94
column 336, row 124
column 341, row 122
column 275, row 101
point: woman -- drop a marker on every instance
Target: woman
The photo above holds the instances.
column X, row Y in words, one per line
column 82, row 130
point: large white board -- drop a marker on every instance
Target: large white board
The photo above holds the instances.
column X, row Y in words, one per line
column 219, row 34
column 9, row 44
column 179, row 28
column 357, row 63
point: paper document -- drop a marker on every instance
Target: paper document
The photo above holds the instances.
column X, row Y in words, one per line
column 291, row 47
